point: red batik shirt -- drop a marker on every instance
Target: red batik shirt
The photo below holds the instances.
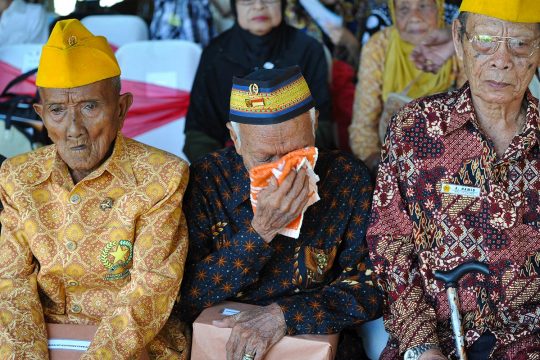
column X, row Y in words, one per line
column 417, row 228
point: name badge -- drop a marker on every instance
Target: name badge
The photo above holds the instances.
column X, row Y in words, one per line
column 454, row 189
column 229, row 312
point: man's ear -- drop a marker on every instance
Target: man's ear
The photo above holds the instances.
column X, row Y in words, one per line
column 456, row 37
column 38, row 108
column 234, row 138
column 124, row 102
column 316, row 124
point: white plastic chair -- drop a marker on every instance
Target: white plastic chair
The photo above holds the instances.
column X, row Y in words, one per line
column 374, row 338
column 118, row 29
column 171, row 63
column 22, row 56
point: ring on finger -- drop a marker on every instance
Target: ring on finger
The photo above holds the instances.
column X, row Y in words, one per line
column 248, row 357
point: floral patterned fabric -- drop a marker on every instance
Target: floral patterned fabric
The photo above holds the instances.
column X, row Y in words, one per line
column 189, row 20
column 417, row 226
column 323, row 280
column 108, row 251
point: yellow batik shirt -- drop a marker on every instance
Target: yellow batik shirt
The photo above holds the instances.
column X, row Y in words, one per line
column 108, row 251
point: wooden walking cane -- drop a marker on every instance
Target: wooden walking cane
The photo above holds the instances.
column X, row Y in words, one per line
column 451, row 279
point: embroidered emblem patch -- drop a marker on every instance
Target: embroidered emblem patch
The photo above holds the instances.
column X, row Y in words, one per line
column 253, row 89
column 318, row 262
column 116, row 256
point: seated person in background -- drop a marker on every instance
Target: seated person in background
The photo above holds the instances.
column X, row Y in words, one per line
column 456, row 184
column 92, row 226
column 343, row 42
column 379, row 16
column 22, row 23
column 259, row 39
column 189, row 20
column 319, row 283
column 386, row 67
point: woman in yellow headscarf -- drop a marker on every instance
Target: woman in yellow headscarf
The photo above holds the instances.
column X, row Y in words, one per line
column 386, row 67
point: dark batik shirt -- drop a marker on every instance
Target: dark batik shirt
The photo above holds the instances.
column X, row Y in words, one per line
column 420, row 225
column 322, row 280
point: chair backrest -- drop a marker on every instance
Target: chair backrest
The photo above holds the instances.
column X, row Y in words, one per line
column 118, row 29
column 22, row 56
column 171, row 63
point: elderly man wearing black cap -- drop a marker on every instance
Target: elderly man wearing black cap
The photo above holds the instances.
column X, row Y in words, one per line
column 294, row 246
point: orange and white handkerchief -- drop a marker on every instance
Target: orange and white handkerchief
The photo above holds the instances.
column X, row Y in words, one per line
column 260, row 178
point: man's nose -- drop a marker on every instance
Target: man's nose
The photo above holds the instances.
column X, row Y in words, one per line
column 502, row 58
column 75, row 128
column 258, row 4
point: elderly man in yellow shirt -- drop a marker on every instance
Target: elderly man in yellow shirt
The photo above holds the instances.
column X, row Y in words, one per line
column 92, row 227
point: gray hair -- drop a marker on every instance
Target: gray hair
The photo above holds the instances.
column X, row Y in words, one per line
column 116, row 84
column 462, row 18
column 236, row 126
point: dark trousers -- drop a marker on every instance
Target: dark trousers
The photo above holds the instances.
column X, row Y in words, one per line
column 482, row 347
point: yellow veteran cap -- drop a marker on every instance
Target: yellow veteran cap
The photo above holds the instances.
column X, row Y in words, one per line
column 522, row 11
column 73, row 57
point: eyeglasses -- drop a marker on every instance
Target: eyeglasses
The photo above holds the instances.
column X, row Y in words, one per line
column 251, row 2
column 489, row 44
column 424, row 8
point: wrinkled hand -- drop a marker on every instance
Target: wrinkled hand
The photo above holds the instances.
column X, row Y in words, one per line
column 277, row 205
column 254, row 332
column 435, row 50
column 433, row 354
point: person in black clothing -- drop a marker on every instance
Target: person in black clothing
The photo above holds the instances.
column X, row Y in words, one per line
column 259, row 39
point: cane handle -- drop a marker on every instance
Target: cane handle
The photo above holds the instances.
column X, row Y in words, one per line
column 451, row 277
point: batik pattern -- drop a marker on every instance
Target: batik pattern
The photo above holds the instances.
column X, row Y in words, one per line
column 416, row 228
column 108, row 251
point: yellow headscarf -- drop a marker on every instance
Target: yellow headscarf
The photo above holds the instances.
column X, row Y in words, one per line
column 400, row 70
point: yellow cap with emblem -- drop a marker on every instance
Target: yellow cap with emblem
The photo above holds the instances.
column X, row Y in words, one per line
column 521, row 11
column 74, row 57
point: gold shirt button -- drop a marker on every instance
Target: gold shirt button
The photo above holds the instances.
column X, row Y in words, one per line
column 71, row 246
column 76, row 308
column 73, row 283
column 75, row 199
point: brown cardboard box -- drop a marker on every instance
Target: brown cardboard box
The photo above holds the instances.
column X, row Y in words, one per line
column 71, row 332
column 209, row 341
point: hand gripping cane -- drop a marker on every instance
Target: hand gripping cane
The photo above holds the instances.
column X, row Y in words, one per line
column 450, row 279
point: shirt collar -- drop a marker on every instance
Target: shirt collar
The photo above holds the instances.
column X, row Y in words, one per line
column 463, row 112
column 118, row 164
